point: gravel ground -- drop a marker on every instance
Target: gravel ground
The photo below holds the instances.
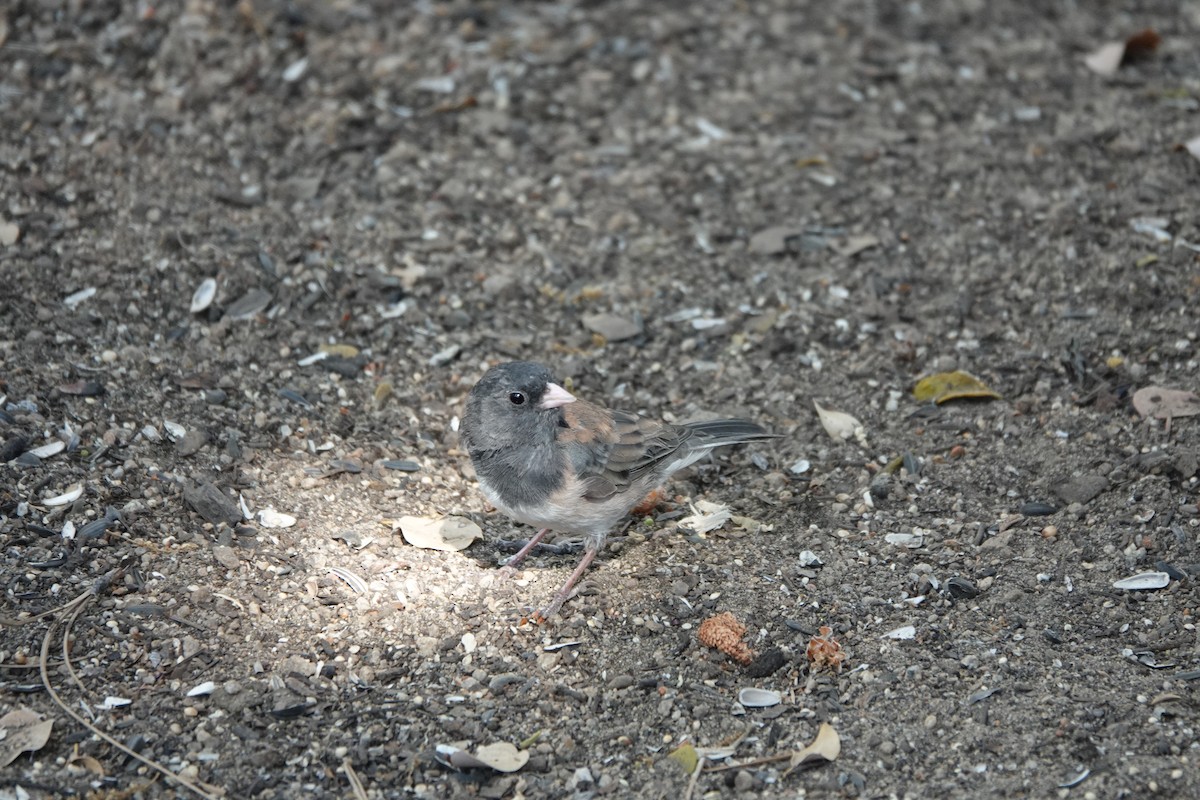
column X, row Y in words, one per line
column 685, row 210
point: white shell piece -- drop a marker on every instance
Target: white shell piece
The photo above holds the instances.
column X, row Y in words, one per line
column 270, row 518
column 1143, row 581
column 203, row 296
column 759, row 698
column 295, row 71
column 67, row 497
column 72, row 300
column 903, row 632
column 909, row 540
column 308, row 361
column 47, row 450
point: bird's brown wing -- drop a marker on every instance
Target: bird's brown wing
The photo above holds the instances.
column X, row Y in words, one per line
column 611, row 450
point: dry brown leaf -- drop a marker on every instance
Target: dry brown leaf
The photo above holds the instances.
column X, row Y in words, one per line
column 84, row 762
column 1155, row 401
column 22, row 731
column 500, row 756
column 825, row 748
column 450, row 534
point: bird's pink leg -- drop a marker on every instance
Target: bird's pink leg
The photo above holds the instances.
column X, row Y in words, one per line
column 560, row 598
column 511, row 566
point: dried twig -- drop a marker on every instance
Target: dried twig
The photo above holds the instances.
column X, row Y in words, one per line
column 352, row 776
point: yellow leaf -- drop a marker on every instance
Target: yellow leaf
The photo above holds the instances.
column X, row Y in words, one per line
column 957, row 385
column 686, row 756
column 382, row 392
column 340, row 350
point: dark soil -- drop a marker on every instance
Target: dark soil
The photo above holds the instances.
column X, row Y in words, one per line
column 762, row 205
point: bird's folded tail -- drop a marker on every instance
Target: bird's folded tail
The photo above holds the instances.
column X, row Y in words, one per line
column 720, row 432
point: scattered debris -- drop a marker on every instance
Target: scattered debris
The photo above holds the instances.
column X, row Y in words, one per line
column 10, row 233
column 613, row 328
column 800, row 467
column 444, row 356
column 853, row 245
column 72, row 301
column 249, row 305
column 707, row 516
column 775, row 240
column 1193, row 147
column 295, row 71
column 82, row 388
column 1154, row 227
column 211, row 503
column 356, row 584
column 1081, row 489
column 1079, row 778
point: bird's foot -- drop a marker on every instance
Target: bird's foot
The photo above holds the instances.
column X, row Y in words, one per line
column 561, row 596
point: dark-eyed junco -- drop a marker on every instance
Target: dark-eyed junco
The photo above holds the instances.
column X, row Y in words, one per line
column 549, row 459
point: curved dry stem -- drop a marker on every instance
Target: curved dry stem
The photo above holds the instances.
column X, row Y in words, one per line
column 78, row 605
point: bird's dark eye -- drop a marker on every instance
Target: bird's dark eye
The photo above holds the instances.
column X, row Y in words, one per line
column 516, row 398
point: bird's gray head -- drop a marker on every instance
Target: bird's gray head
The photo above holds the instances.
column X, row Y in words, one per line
column 515, row 403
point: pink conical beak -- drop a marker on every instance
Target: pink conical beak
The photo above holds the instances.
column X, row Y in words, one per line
column 555, row 396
